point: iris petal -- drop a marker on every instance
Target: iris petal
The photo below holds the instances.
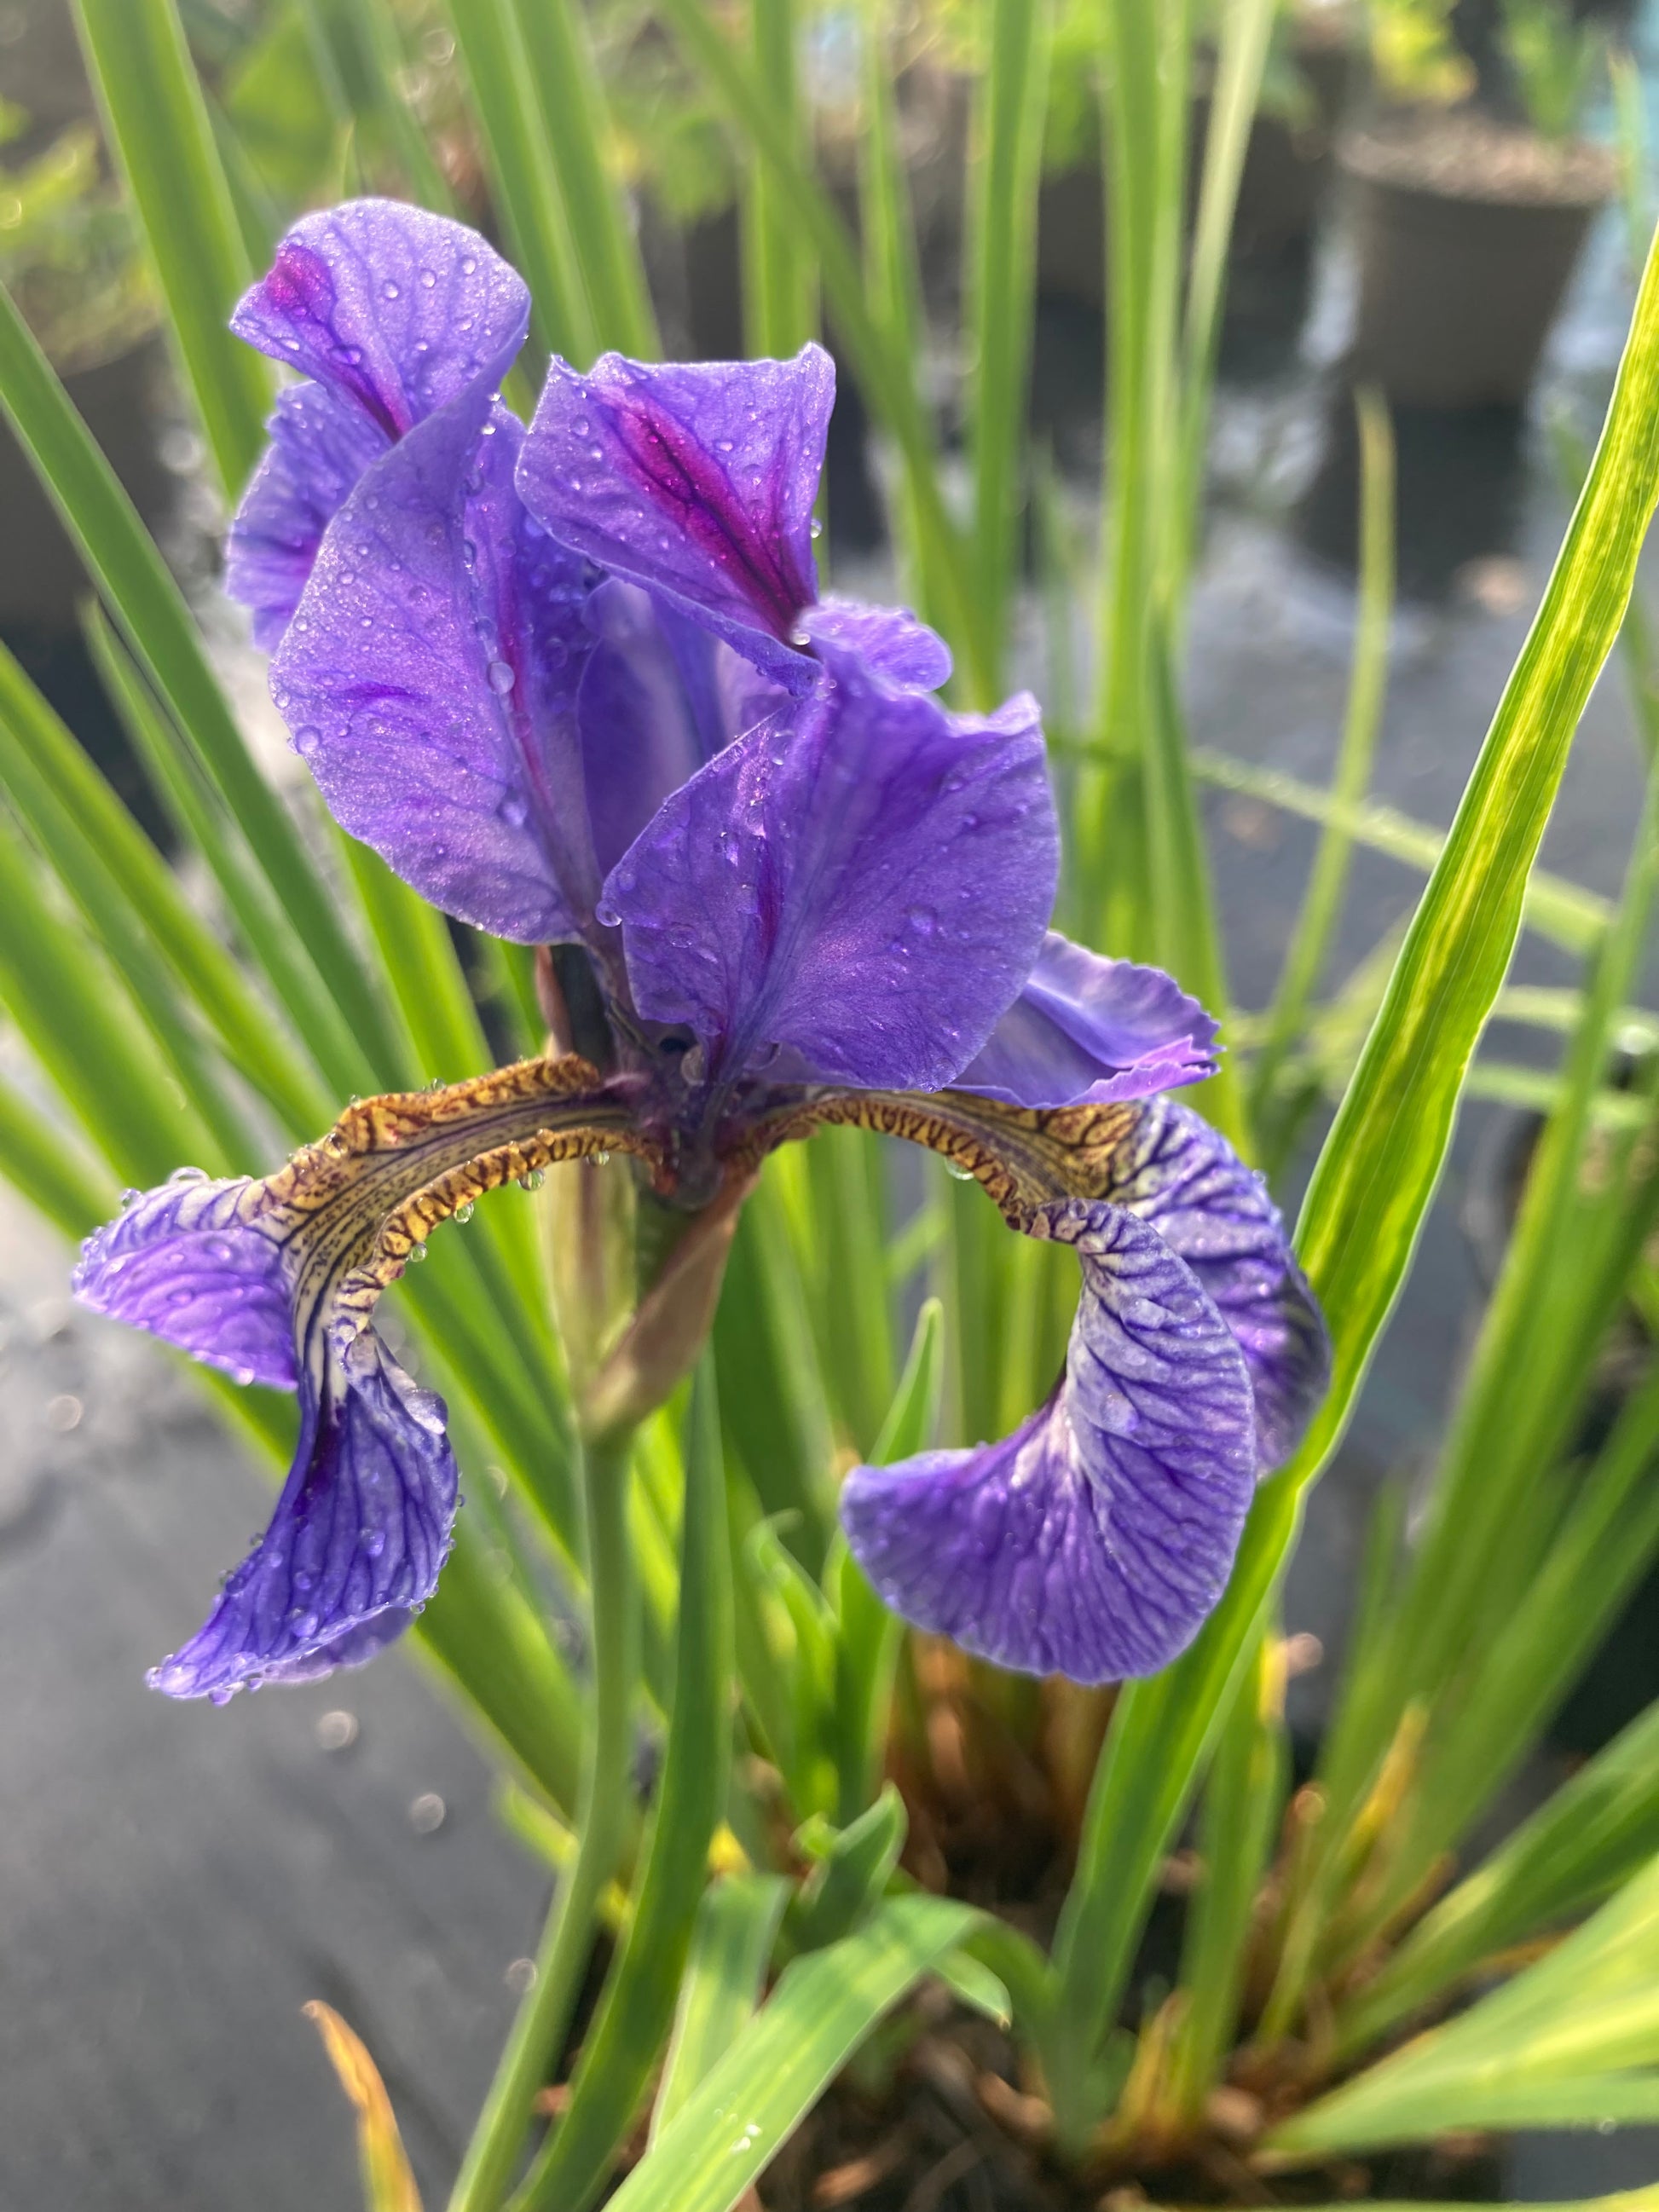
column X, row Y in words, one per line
column 891, row 639
column 278, row 1279
column 1094, row 1540
column 429, row 678
column 696, row 481
column 395, row 309
column 186, row 1264
column 1177, row 1173
column 854, row 899
column 393, row 313
column 1086, row 1030
column 659, row 697
column 361, row 1530
column 321, row 444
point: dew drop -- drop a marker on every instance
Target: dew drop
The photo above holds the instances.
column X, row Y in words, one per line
column 606, row 915
column 501, row 678
column 416, row 1251
column 922, row 920
column 959, row 1173
column 818, row 527
column 390, row 290
column 428, row 278
column 534, row 1180
column 463, row 1211
column 514, row 811
column 306, row 742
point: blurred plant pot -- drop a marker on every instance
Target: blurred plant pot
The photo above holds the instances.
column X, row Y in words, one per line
column 1280, row 189
column 41, row 578
column 1468, row 232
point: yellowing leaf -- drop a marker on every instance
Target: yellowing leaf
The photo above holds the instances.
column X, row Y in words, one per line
column 388, row 2180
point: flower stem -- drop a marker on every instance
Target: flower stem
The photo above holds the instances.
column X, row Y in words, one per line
column 544, row 2016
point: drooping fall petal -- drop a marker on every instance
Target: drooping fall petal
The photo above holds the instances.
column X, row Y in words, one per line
column 1094, row 1540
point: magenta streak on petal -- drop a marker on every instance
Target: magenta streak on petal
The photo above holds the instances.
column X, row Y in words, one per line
column 676, row 471
column 300, row 285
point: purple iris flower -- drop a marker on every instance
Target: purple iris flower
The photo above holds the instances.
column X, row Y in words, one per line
column 577, row 685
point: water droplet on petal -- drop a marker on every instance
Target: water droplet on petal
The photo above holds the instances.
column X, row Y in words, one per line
column 501, row 678
column 463, row 1211
column 606, row 915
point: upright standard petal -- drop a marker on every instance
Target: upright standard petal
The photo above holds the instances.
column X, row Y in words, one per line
column 276, row 1280
column 396, row 309
column 852, row 900
column 659, row 697
column 321, row 444
column 1086, row 1030
column 1094, row 1540
column 393, row 313
column 696, row 481
column 430, row 678
column 1181, row 1176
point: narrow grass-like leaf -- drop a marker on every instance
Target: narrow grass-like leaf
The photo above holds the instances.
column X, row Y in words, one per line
column 1322, row 904
column 731, row 1942
column 41, row 762
column 1580, row 1844
column 493, row 2153
column 73, row 1193
column 157, row 121
column 1561, row 912
column 779, row 278
column 1371, row 1189
column 852, row 1308
column 76, row 1021
column 567, row 87
column 777, row 1419
column 1576, row 1239
column 131, row 574
column 1568, row 2031
column 867, row 1646
column 622, row 2046
column 850, row 1877
column 202, row 821
column 824, row 2006
column 515, row 146
column 1240, row 55
column 884, row 372
column 1238, row 1824
column 999, row 281
column 388, row 2179
column 1144, row 60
